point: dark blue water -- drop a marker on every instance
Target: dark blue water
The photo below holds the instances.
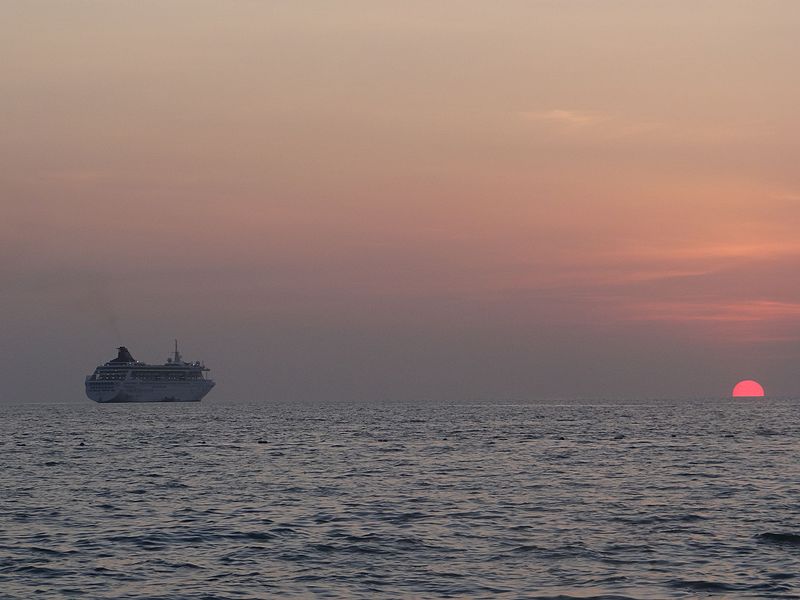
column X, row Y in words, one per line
column 645, row 500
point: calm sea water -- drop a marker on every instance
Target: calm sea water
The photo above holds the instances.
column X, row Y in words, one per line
column 641, row 500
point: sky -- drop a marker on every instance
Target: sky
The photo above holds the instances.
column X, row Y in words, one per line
column 402, row 201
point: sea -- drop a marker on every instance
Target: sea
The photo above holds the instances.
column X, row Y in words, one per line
column 647, row 499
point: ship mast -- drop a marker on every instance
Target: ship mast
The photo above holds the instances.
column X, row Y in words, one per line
column 177, row 356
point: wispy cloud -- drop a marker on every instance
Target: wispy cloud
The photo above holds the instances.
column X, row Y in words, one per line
column 716, row 251
column 80, row 176
column 569, row 118
column 786, row 197
column 733, row 312
column 607, row 126
column 713, row 290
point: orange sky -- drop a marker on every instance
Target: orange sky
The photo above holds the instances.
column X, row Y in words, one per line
column 456, row 200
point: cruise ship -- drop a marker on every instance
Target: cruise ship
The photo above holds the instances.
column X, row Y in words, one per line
column 125, row 379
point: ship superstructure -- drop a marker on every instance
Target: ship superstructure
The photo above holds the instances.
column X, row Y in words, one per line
column 125, row 379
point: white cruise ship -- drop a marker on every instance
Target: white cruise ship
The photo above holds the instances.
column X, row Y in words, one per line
column 125, row 379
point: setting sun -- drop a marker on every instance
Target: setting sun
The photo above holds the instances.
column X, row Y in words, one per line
column 748, row 389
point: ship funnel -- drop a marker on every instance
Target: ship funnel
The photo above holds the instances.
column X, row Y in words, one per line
column 123, row 356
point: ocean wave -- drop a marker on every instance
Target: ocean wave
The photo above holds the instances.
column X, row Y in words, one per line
column 781, row 538
column 501, row 508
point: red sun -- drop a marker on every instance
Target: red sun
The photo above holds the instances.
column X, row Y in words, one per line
column 748, row 389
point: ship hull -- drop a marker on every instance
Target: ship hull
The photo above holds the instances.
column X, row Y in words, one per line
column 124, row 392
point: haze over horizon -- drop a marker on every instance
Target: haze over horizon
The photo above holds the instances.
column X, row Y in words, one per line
column 448, row 201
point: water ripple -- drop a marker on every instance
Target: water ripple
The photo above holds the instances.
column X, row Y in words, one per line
column 636, row 500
